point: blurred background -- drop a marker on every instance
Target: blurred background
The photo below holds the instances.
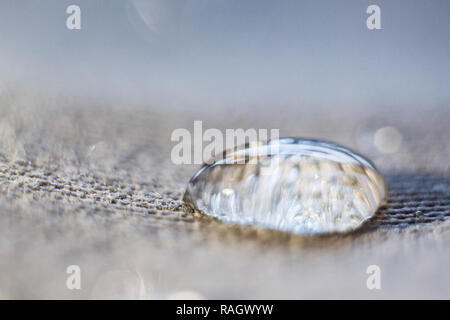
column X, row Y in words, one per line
column 305, row 53
column 86, row 118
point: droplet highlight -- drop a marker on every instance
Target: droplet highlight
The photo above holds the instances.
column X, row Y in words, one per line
column 289, row 184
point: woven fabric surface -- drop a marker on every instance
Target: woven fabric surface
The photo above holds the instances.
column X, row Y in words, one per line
column 94, row 186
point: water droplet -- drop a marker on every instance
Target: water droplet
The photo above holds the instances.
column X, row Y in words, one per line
column 119, row 284
column 185, row 295
column 289, row 184
column 388, row 139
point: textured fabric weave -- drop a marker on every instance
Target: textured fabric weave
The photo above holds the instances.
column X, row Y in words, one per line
column 95, row 187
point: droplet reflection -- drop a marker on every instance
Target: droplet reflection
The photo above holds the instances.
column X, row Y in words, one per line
column 388, row 139
column 296, row 185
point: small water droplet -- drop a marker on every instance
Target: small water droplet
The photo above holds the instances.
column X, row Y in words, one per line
column 185, row 295
column 289, row 184
column 388, row 139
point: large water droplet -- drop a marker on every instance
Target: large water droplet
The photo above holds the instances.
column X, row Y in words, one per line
column 289, row 184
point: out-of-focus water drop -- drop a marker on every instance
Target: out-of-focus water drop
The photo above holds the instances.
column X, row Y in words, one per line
column 289, row 184
column 388, row 139
column 158, row 21
column 120, row 284
column 185, row 295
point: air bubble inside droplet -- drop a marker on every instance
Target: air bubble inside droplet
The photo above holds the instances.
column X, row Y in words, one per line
column 289, row 184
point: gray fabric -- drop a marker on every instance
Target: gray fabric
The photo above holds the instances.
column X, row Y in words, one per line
column 94, row 186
